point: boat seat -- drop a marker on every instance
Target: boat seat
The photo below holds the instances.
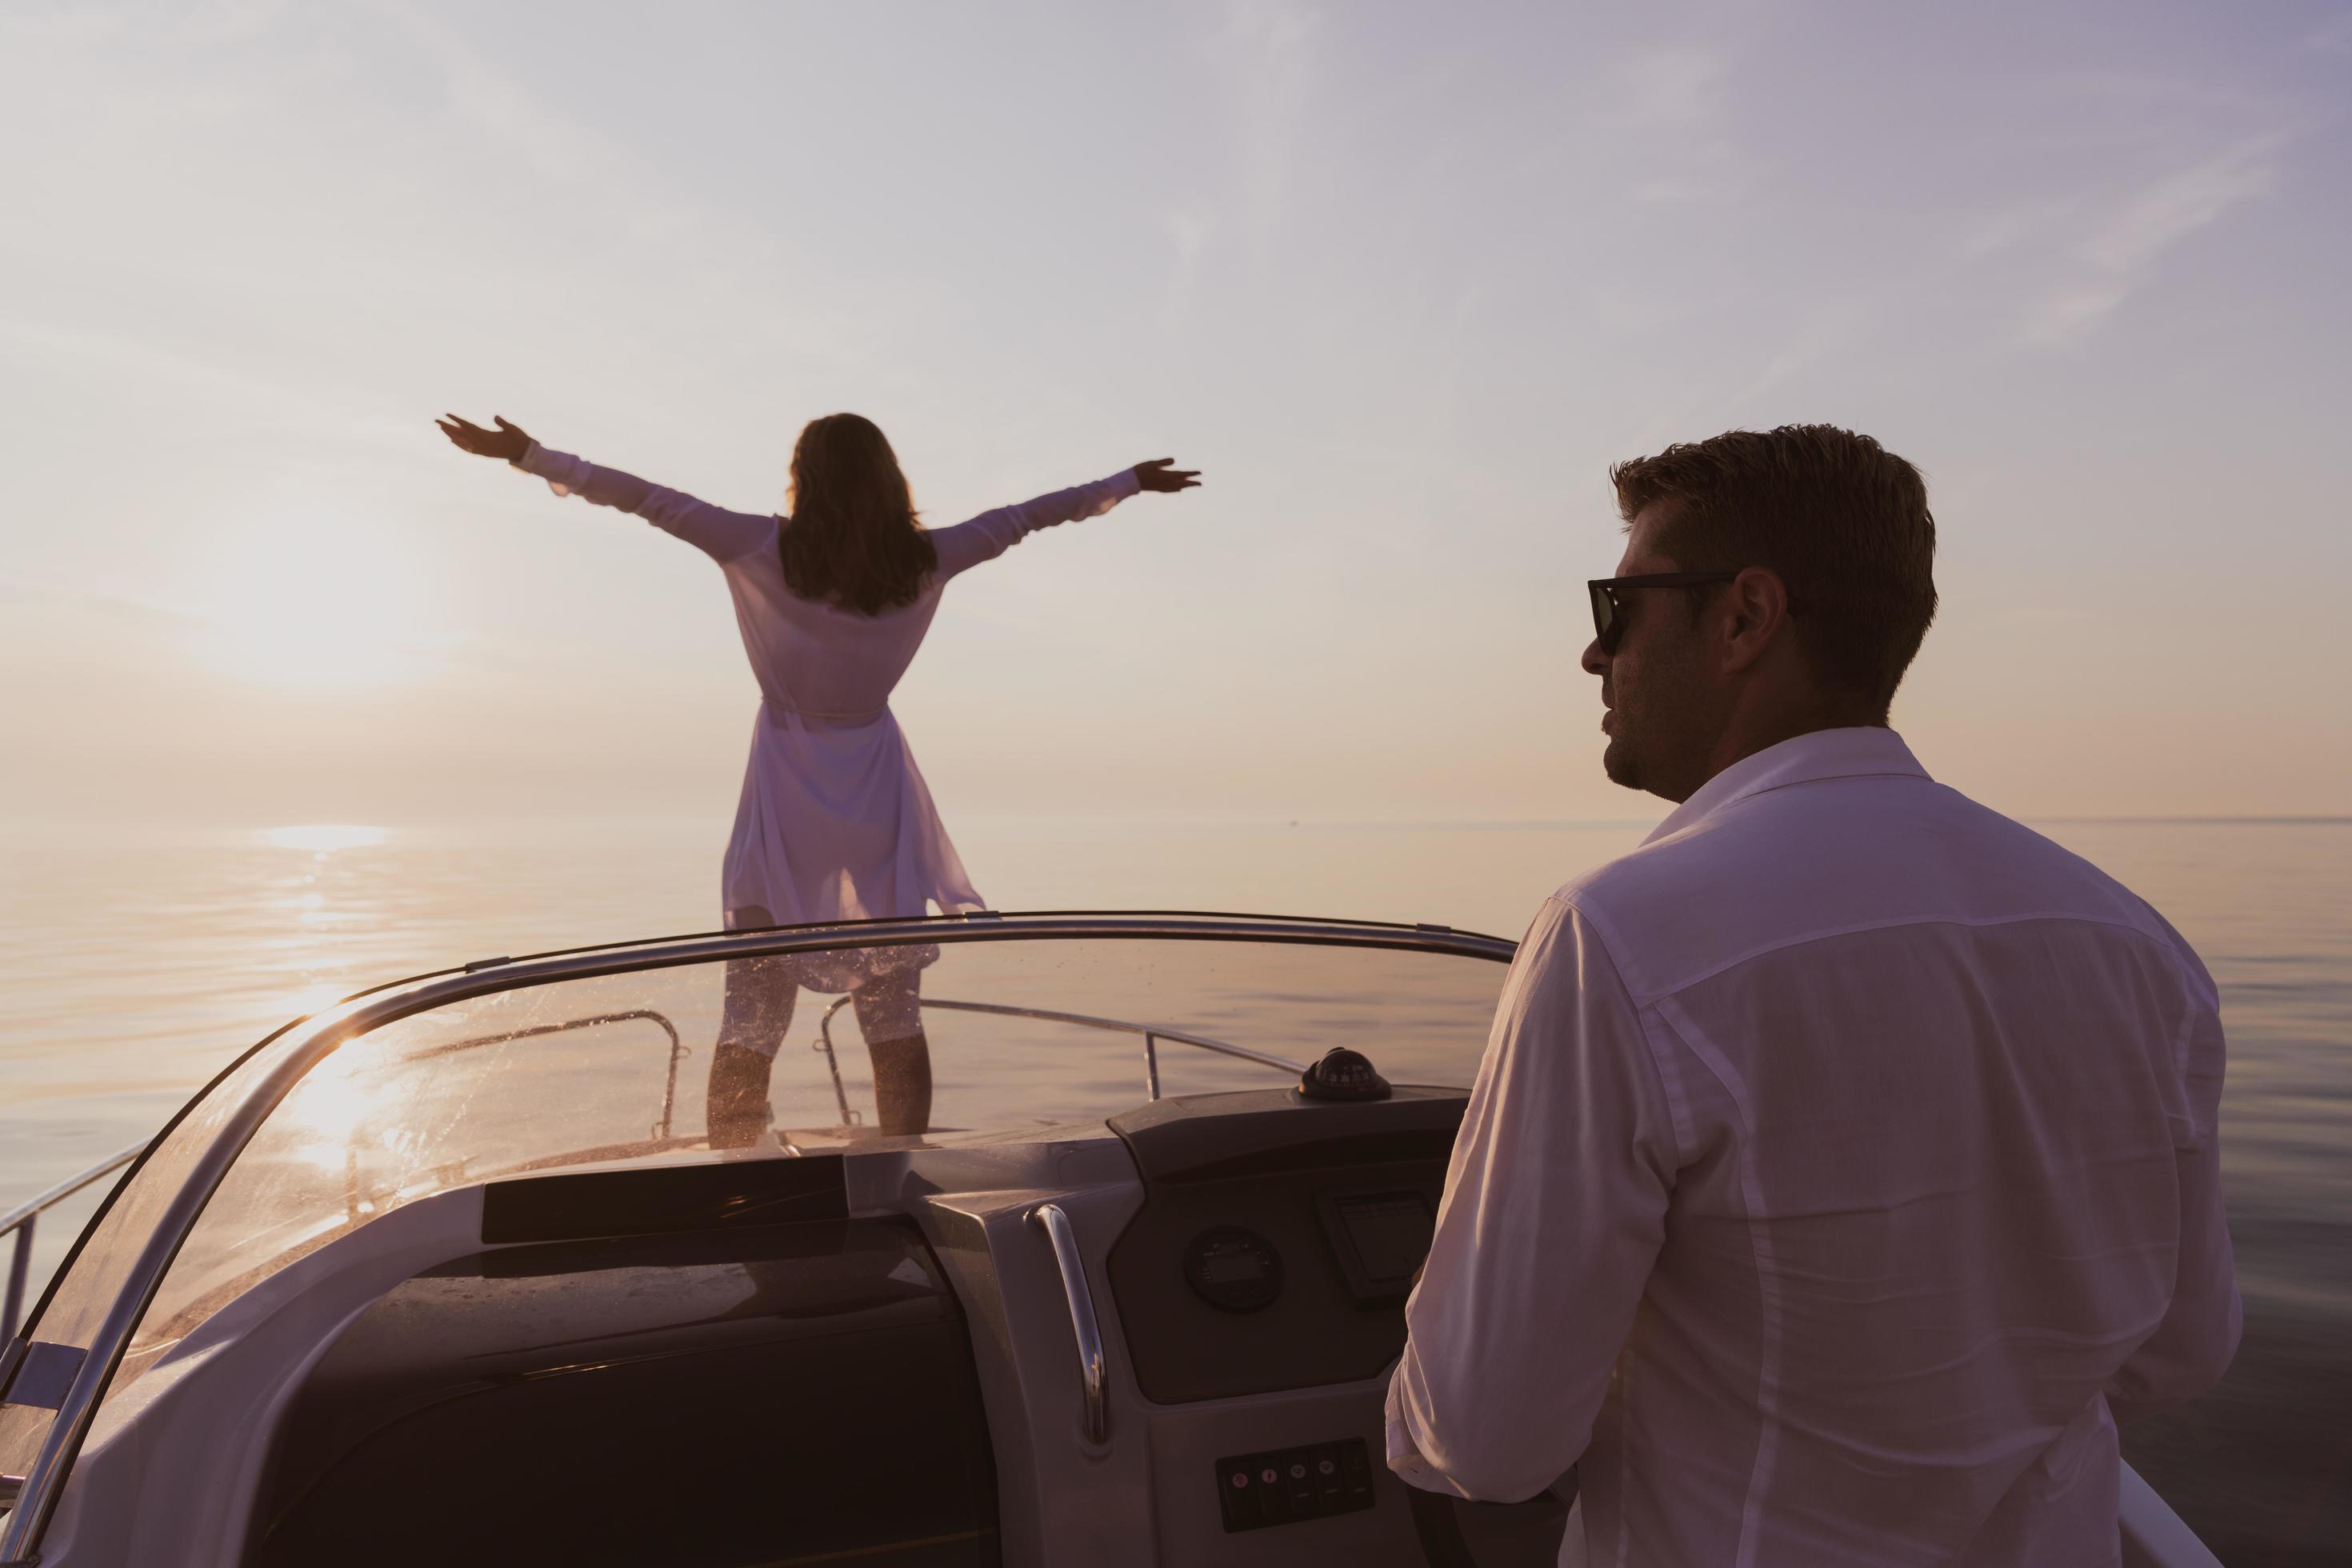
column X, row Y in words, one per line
column 721, row 1398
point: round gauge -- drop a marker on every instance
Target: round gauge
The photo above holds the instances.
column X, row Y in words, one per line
column 1235, row 1269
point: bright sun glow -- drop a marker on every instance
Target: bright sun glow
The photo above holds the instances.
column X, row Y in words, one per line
column 325, row 837
column 316, row 598
column 310, row 999
column 331, row 1107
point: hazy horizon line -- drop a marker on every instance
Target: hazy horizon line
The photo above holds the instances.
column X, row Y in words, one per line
column 542, row 821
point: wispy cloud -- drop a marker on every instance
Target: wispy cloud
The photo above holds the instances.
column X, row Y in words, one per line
column 1270, row 46
column 2166, row 212
column 87, row 22
column 24, row 596
column 1271, row 24
column 2123, row 247
column 1671, row 190
column 551, row 145
column 313, row 410
column 2331, row 37
column 1821, row 335
column 1667, row 111
column 2010, row 228
column 1188, row 230
column 1671, row 85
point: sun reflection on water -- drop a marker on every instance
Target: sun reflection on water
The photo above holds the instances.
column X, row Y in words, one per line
column 325, row 837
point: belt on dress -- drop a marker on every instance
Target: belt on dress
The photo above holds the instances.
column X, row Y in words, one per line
column 771, row 703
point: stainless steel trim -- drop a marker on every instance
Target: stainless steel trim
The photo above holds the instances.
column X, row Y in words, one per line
column 677, row 1051
column 303, row 1046
column 20, row 1268
column 833, row 1063
column 25, row 1216
column 1094, row 1414
column 1151, row 1032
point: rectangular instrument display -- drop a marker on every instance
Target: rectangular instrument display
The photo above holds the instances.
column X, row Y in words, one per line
column 1382, row 1239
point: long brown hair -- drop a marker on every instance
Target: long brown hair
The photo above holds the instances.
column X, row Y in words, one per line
column 852, row 539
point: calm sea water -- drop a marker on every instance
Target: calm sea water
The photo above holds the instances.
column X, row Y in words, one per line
column 133, row 962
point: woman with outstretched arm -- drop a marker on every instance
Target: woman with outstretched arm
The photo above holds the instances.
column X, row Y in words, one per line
column 833, row 598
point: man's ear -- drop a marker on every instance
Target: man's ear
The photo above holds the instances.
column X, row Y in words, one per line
column 1758, row 604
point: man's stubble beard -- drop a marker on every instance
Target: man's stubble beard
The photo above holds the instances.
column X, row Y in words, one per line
column 1645, row 753
column 1617, row 762
column 1619, row 759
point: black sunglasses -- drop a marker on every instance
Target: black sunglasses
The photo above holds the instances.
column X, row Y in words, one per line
column 1608, row 624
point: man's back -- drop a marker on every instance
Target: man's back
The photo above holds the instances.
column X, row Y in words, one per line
column 1883, row 1128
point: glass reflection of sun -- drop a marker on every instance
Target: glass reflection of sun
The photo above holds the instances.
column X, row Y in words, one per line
column 315, row 599
column 327, row 1115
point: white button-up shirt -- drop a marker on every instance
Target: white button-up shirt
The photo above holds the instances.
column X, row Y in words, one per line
column 1841, row 1164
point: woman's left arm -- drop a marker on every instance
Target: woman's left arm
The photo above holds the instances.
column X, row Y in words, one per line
column 991, row 533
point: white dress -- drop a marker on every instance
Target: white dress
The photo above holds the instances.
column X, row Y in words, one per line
column 834, row 823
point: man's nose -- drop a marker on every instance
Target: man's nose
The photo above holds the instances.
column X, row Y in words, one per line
column 1595, row 661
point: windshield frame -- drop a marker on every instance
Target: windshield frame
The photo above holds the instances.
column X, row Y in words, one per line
column 300, row 1046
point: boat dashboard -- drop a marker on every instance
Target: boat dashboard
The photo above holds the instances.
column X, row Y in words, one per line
column 1164, row 1339
column 1277, row 1240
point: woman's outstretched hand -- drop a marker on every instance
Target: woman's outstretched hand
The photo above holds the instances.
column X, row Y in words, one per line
column 1160, row 474
column 508, row 442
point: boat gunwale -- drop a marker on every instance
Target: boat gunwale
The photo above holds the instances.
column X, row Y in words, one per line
column 305, row 1042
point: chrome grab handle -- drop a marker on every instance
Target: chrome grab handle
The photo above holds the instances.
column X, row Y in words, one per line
column 1095, row 1418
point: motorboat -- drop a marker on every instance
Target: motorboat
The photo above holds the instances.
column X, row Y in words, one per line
column 452, row 1273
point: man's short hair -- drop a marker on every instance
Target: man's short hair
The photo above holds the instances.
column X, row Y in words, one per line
column 1843, row 522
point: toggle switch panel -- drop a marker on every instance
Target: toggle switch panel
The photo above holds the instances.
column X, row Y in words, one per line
column 1289, row 1485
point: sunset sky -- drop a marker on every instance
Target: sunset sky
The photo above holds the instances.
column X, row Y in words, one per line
column 1402, row 281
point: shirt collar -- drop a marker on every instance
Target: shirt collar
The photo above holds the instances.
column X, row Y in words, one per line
column 1856, row 753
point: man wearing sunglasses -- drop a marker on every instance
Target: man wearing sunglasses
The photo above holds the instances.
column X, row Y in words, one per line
column 1844, row 1163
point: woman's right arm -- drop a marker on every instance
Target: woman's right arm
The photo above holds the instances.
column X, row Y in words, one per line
column 719, row 533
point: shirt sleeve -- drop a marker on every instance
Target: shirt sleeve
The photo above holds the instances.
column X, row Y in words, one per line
column 1554, row 1211
column 991, row 533
column 719, row 533
column 2193, row 1345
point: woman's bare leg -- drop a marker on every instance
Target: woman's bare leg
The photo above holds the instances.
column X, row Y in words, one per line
column 752, row 1019
column 890, row 1017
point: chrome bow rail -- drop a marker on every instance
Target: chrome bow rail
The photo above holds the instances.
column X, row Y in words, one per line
column 20, row 1223
column 677, row 1050
column 1152, row 1034
column 296, row 1049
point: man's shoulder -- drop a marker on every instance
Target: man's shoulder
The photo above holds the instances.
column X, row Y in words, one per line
column 1817, row 861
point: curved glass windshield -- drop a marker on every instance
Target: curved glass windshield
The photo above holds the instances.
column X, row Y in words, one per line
column 1023, row 1033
